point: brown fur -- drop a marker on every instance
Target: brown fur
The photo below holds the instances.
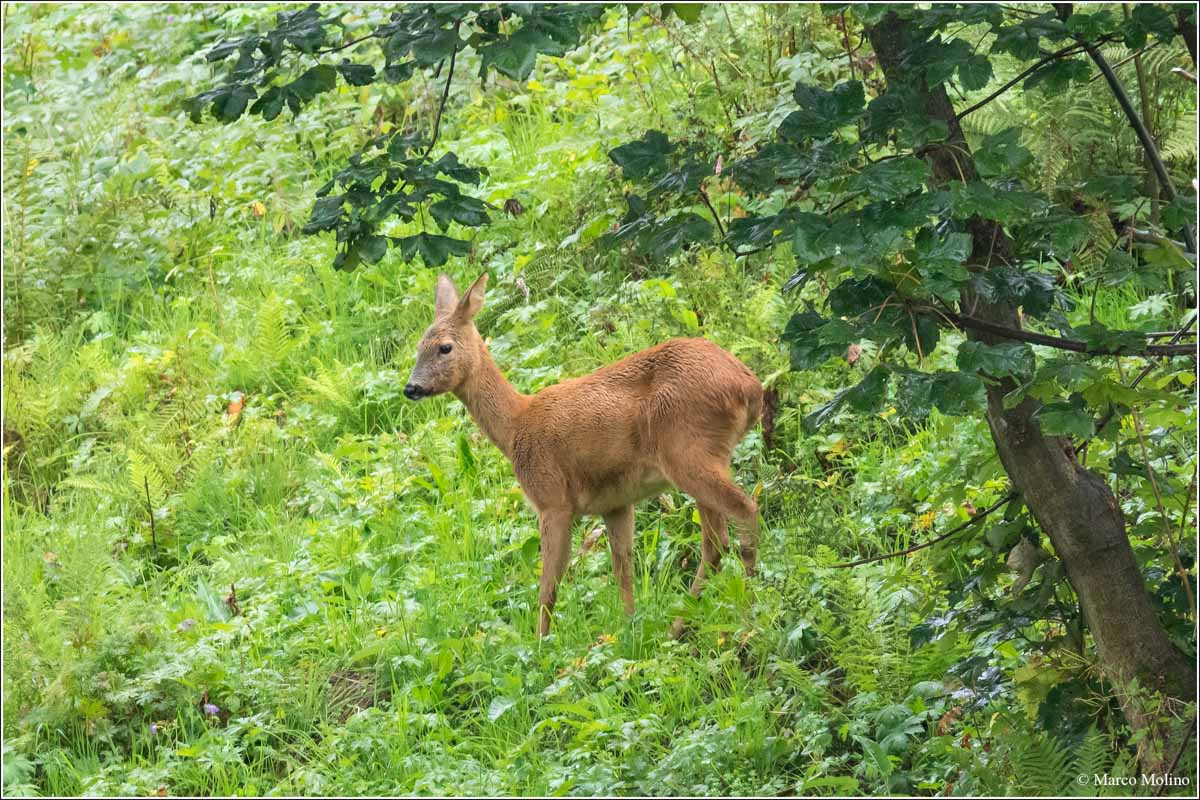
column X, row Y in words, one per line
column 669, row 415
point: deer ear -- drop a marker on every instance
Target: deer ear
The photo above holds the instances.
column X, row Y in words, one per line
column 446, row 297
column 472, row 301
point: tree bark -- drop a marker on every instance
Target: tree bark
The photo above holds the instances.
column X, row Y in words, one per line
column 1073, row 505
column 1187, row 29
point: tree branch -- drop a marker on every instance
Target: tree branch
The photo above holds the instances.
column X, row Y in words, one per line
column 1069, row 50
column 1074, row 345
column 351, row 43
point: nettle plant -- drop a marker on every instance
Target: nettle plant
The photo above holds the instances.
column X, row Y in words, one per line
column 874, row 187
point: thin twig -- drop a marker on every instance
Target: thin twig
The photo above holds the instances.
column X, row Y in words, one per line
column 150, row 512
column 437, row 121
column 1184, row 73
column 1125, row 61
column 716, row 216
column 979, row 517
column 351, row 43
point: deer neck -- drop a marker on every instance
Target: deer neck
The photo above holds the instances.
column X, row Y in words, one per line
column 492, row 401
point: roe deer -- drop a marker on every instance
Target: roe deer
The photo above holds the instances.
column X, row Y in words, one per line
column 669, row 415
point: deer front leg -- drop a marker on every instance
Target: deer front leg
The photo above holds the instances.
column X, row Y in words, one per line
column 620, row 545
column 555, row 529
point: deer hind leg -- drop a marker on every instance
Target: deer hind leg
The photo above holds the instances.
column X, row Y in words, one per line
column 620, row 545
column 707, row 480
column 714, row 539
column 556, row 549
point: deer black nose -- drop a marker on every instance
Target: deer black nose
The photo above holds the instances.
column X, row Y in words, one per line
column 414, row 392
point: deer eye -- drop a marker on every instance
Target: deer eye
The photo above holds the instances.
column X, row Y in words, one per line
column 446, row 348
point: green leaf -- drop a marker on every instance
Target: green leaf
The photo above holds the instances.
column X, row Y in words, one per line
column 1069, row 373
column 372, row 248
column 1119, row 267
column 325, row 215
column 1003, row 535
column 1084, row 25
column 900, row 111
column 1002, row 155
column 464, row 210
column 921, row 332
column 888, row 180
column 1005, row 206
column 314, row 81
column 433, row 249
column 867, row 395
column 1036, row 292
column 957, row 394
column 954, row 248
column 228, row 107
column 357, row 74
column 1146, row 19
column 685, row 180
column 269, row 104
column 499, row 707
column 516, row 56
column 668, row 236
column 858, row 295
column 434, row 45
column 688, row 12
column 811, row 241
column 1179, row 212
column 822, row 112
column 782, row 161
column 1009, row 359
column 1112, row 187
column 813, row 340
column 974, row 72
column 914, row 395
column 752, row 231
column 1059, row 74
column 643, row 157
column 399, row 72
column 450, row 166
column 1066, row 419
column 1100, row 337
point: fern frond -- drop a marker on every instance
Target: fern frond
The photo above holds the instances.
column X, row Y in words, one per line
column 144, row 474
column 1040, row 765
column 330, row 384
column 1181, row 144
column 1092, row 756
column 272, row 342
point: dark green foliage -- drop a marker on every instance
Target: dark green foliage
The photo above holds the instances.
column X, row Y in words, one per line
column 822, row 112
column 417, row 36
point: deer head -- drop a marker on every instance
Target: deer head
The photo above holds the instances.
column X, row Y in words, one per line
column 451, row 348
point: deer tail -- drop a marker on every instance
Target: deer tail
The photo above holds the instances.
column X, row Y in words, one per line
column 770, row 405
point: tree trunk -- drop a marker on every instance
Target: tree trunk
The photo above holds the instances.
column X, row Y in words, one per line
column 1187, row 29
column 1074, row 506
